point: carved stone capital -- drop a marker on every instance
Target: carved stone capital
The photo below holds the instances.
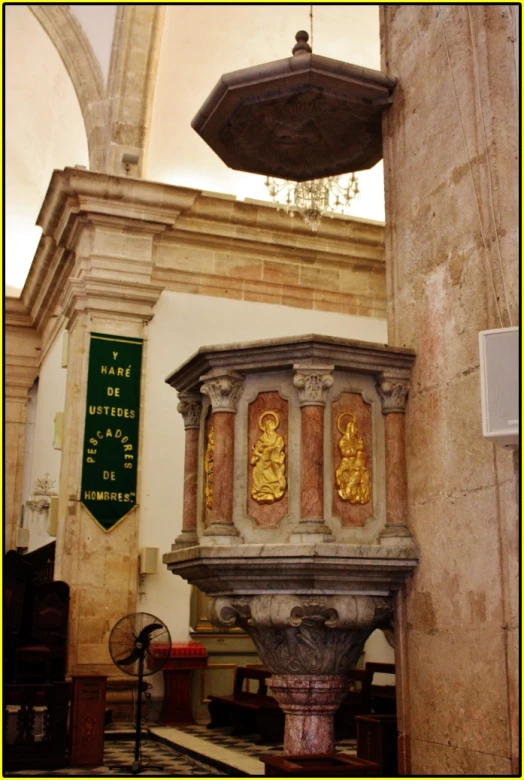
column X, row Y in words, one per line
column 393, row 395
column 304, row 634
column 312, row 384
column 190, row 407
column 224, row 390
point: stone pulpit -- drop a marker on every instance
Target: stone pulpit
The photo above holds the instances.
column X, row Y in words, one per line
column 294, row 515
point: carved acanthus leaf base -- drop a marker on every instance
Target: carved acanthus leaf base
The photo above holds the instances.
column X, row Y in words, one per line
column 311, row 635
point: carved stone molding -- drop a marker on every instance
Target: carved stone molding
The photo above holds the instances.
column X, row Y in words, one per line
column 393, row 395
column 190, row 407
column 304, row 634
column 312, row 384
column 224, row 390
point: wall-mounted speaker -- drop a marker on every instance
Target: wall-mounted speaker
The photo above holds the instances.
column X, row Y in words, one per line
column 149, row 560
column 22, row 538
column 499, row 385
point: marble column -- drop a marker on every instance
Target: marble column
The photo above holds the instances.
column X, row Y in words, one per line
column 312, row 384
column 224, row 390
column 393, row 395
column 190, row 407
column 309, row 643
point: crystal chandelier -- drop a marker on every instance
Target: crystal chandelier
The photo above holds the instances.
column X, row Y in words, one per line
column 312, row 199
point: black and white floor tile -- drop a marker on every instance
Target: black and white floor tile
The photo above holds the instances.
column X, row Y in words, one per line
column 250, row 744
column 157, row 760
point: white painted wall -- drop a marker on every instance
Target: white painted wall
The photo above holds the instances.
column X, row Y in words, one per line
column 44, row 130
column 378, row 650
column 98, row 23
column 183, row 323
column 50, row 399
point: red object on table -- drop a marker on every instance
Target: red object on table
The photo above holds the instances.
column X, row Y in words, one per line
column 184, row 658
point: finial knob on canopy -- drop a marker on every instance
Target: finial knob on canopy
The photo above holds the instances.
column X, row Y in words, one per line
column 302, row 46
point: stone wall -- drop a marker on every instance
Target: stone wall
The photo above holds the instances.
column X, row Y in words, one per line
column 451, row 176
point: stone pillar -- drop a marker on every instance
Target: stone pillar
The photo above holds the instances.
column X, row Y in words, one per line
column 309, row 643
column 103, row 230
column 224, row 390
column 312, row 384
column 190, row 407
column 310, row 703
column 393, row 394
column 22, row 351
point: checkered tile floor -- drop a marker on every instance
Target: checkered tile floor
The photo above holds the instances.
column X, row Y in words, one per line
column 248, row 744
column 157, row 761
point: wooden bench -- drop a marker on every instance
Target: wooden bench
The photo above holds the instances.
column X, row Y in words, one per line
column 364, row 698
column 382, row 697
column 356, row 702
column 246, row 711
column 377, row 738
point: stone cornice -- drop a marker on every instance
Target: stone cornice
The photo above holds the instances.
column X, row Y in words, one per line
column 73, row 191
column 16, row 314
column 282, row 353
column 128, row 299
column 228, row 225
column 286, row 568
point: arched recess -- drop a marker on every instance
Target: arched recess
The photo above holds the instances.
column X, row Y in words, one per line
column 84, row 70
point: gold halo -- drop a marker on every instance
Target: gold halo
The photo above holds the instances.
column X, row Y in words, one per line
column 344, row 414
column 270, row 414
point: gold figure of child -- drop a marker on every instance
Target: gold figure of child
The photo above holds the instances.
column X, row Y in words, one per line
column 352, row 475
column 268, row 461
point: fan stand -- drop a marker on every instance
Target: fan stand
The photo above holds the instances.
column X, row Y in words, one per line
column 137, row 766
column 129, row 642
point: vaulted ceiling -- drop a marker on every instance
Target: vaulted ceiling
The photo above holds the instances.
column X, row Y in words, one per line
column 85, row 83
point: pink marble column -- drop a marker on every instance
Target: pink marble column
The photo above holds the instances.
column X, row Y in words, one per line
column 393, row 394
column 312, row 384
column 312, row 463
column 224, row 425
column 224, row 391
column 309, row 702
column 190, row 407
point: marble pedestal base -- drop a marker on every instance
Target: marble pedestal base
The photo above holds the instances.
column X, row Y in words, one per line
column 309, row 702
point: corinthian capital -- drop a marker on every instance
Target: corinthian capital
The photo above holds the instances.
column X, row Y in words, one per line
column 190, row 407
column 393, row 394
column 223, row 390
column 312, row 384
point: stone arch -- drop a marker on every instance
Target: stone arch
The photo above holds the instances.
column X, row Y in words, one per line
column 131, row 84
column 85, row 73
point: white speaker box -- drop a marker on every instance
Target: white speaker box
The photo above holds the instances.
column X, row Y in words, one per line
column 149, row 560
column 22, row 538
column 499, row 385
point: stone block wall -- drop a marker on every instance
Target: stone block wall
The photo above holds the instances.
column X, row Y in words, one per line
column 451, row 177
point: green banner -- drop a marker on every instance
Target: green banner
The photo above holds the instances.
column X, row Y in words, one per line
column 110, row 455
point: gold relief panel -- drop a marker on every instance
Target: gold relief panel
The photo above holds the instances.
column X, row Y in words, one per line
column 209, row 469
column 352, row 459
column 267, row 466
column 268, row 461
column 352, row 475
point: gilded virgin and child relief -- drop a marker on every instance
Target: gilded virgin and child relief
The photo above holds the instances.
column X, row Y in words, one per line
column 352, row 475
column 352, row 462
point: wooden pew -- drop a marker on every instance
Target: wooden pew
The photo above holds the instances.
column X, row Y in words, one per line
column 246, row 711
